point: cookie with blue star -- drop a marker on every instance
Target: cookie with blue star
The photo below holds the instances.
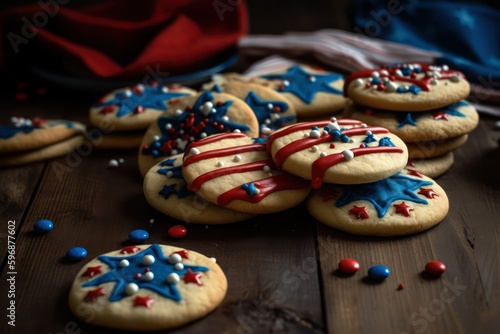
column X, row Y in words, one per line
column 166, row 191
column 273, row 110
column 235, row 171
column 147, row 288
column 136, row 107
column 407, row 87
column 342, row 151
column 193, row 118
column 313, row 91
column 442, row 123
column 434, row 148
column 401, row 204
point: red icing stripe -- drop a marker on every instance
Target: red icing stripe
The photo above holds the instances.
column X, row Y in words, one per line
column 362, row 131
column 213, row 139
column 266, row 187
column 249, row 167
column 223, row 152
column 320, row 166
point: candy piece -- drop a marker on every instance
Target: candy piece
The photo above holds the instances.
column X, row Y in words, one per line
column 76, row 253
column 435, row 268
column 43, row 226
column 177, row 231
column 138, row 236
column 379, row 273
column 348, row 266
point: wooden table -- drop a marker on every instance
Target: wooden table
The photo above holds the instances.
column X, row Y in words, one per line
column 281, row 268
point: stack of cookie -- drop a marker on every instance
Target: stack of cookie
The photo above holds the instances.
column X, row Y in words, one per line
column 30, row 140
column 121, row 117
column 422, row 104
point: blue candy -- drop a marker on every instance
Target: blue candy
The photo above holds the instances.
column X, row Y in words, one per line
column 379, row 273
column 138, row 236
column 43, row 226
column 76, row 253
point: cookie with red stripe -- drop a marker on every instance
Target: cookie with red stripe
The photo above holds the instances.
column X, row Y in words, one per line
column 344, row 151
column 147, row 287
column 166, row 191
column 193, row 118
column 407, row 87
column 236, row 172
column 401, row 204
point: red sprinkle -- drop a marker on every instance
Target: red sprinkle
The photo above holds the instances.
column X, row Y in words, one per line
column 348, row 266
column 21, row 96
column 177, row 231
column 401, row 286
column 435, row 268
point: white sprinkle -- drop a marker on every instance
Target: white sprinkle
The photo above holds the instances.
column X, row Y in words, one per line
column 333, row 119
column 179, row 266
column 323, row 154
column 333, row 126
column 445, row 67
column 269, row 174
column 325, row 132
column 306, row 135
column 270, row 106
column 124, row 263
column 266, row 169
column 213, row 111
column 170, row 174
column 363, row 125
column 128, row 93
column 410, row 67
column 148, row 260
column 433, row 82
column 352, row 140
column 178, row 112
column 203, row 135
column 181, row 131
column 13, row 119
column 286, row 83
column 140, row 87
column 391, row 86
column 348, row 155
column 191, row 138
column 121, row 160
column 206, row 108
column 173, row 278
column 168, row 126
column 225, row 118
column 237, row 158
column 213, row 259
column 174, row 152
column 497, row 124
column 237, row 131
column 373, row 87
column 357, row 83
column 314, row 149
column 164, row 89
column 267, row 121
column 149, row 276
column 384, row 72
column 220, row 164
column 385, row 80
column 131, row 288
column 368, row 133
column 455, row 78
column 174, row 258
column 265, row 130
column 275, row 116
column 194, row 151
column 398, row 73
column 113, row 163
column 156, row 138
column 314, row 134
column 312, row 78
column 151, row 221
column 375, row 74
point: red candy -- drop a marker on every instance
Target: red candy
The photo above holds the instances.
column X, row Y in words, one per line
column 348, row 266
column 177, row 231
column 435, row 268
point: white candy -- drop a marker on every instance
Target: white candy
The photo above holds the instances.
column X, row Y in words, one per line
column 265, row 130
column 213, row 259
column 140, row 87
column 148, row 260
column 124, row 263
column 323, row 154
column 194, row 151
column 352, row 140
column 174, row 258
column 220, row 164
column 267, row 121
column 368, row 133
column 179, row 266
column 455, row 78
column 333, row 126
column 151, row 221
column 358, row 82
column 168, row 126
column 149, row 276
column 286, row 83
column 121, row 160
column 314, row 149
column 225, row 118
column 445, row 67
column 384, row 72
column 266, row 169
column 270, row 106
column 237, row 131
column 174, row 152
column 131, row 288
column 203, row 135
column 314, row 134
column 363, row 125
column 156, row 138
column 237, row 158
column 348, row 155
column 375, row 74
column 128, row 93
column 164, row 89
column 275, row 116
column 113, row 163
column 178, row 112
column 173, row 278
column 312, row 78
column 434, row 82
column 398, row 73
column 170, row 174
column 306, row 135
column 206, row 108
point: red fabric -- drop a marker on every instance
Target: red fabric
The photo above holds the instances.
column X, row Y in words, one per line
column 120, row 38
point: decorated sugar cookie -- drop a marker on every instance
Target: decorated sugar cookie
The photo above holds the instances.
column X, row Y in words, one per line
column 407, row 87
column 312, row 91
column 166, row 191
column 193, row 118
column 147, row 287
column 344, row 151
column 399, row 205
column 431, row 167
column 430, row 149
column 446, row 122
column 223, row 78
column 273, row 111
column 236, row 172
column 135, row 108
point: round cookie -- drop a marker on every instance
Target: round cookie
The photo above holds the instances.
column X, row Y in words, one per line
column 166, row 191
column 399, row 205
column 236, row 172
column 24, row 134
column 193, row 118
column 147, row 287
column 430, row 149
column 344, row 151
column 118, row 140
column 447, row 122
column 407, row 87
column 44, row 153
column 136, row 107
column 431, row 167
column 223, row 78
column 273, row 111
column 312, row 91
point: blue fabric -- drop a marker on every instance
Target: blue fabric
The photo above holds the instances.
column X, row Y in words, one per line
column 465, row 33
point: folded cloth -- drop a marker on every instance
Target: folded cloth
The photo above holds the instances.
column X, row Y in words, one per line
column 121, row 38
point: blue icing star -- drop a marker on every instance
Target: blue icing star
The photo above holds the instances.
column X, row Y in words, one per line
column 166, row 191
column 168, row 162
column 411, row 89
column 216, row 89
column 382, row 193
column 262, row 140
column 176, row 173
column 386, row 141
column 370, row 138
column 263, row 112
column 305, row 85
column 174, row 137
column 7, row 131
column 465, row 18
column 406, row 119
column 452, row 109
column 151, row 97
column 250, row 188
column 161, row 268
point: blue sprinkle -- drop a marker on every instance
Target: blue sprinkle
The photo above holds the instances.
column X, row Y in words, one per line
column 76, row 253
column 375, row 80
column 336, row 134
column 370, row 138
column 400, row 90
column 157, row 144
column 155, row 153
column 315, row 128
column 379, row 273
column 250, row 188
column 70, row 125
column 417, row 70
column 138, row 236
column 386, row 141
column 414, row 89
column 259, row 140
column 344, row 139
column 43, row 226
column 406, row 71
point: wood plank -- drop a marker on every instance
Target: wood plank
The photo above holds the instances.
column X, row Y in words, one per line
column 270, row 261
column 464, row 299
